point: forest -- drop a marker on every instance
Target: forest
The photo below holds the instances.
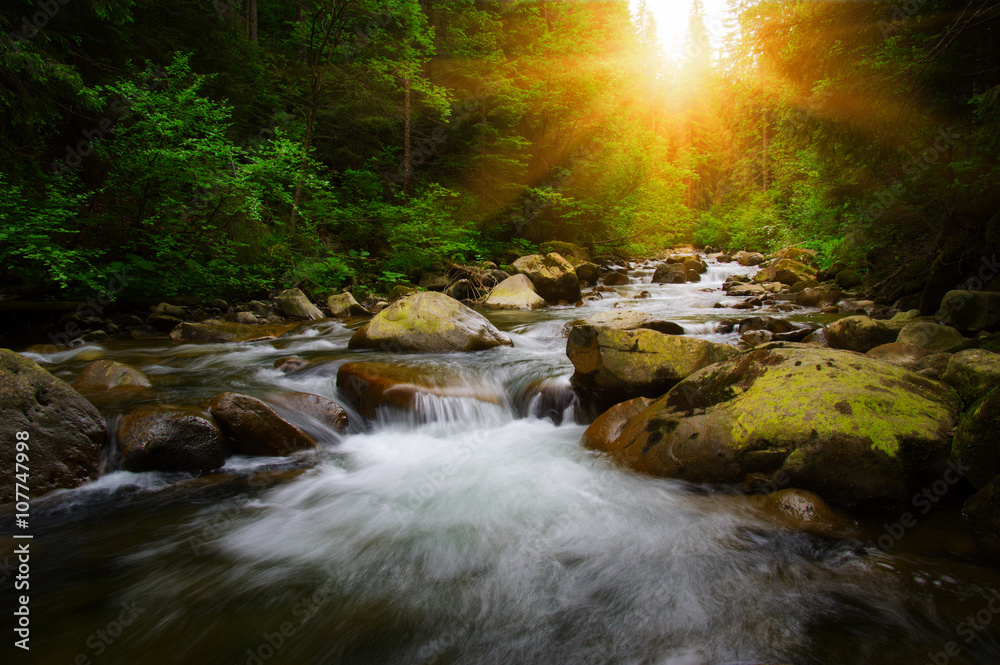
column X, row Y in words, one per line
column 235, row 147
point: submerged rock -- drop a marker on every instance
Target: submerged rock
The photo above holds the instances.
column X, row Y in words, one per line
column 619, row 364
column 852, row 429
column 105, row 375
column 215, row 332
column 255, row 428
column 325, row 411
column 515, row 292
column 428, row 323
column 170, row 440
column 64, row 432
column 369, row 386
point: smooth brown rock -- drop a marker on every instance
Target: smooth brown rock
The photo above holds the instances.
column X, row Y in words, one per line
column 170, row 440
column 256, row 428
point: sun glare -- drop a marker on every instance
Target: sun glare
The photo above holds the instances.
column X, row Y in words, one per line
column 672, row 22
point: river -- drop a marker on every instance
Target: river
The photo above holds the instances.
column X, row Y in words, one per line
column 480, row 534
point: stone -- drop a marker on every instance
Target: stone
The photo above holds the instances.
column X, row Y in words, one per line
column 428, row 322
column 785, row 271
column 573, row 253
column 745, row 258
column 64, row 431
column 615, row 278
column 630, row 363
column 553, row 276
column 434, row 281
column 344, row 305
column 800, row 510
column 670, row 273
column 854, row 430
column 848, row 279
column 588, row 272
column 104, row 375
column 255, row 428
column 977, row 440
column 970, row 310
column 169, row 440
column 631, row 319
column 973, row 373
column 319, row 408
column 898, row 353
column 461, row 289
column 515, row 292
column 609, row 425
column 931, row 336
column 295, row 305
column 371, row 386
column 932, row 366
column 982, row 515
column 215, row 331
column 862, row 333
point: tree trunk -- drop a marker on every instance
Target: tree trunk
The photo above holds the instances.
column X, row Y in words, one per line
column 407, row 168
column 253, row 21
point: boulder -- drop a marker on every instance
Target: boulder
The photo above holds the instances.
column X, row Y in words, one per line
column 753, row 338
column 973, row 373
column 255, row 428
column 970, row 310
column 461, row 289
column 323, row 410
column 898, row 353
column 631, row 319
column 401, row 291
column 977, row 441
column 931, row 336
column 745, row 290
column 933, row 366
column 620, row 364
column 428, row 322
column 104, row 375
column 982, row 515
column 745, row 258
column 515, row 292
column 553, row 276
column 169, row 439
column 171, row 310
column 344, row 305
column 800, row 510
column 768, row 323
column 572, row 253
column 64, row 431
column 588, row 272
column 670, row 273
column 615, row 278
column 434, row 281
column 785, row 271
column 852, row 429
column 800, row 254
column 609, row 425
column 214, row 332
column 848, row 279
column 295, row 305
column 862, row 333
column 369, row 386
column 816, row 296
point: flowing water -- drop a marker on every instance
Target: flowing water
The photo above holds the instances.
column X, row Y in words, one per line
column 479, row 533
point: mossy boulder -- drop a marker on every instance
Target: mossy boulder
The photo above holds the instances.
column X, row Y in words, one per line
column 800, row 254
column 255, row 428
column 371, row 386
column 295, row 305
column 898, row 353
column 619, row 364
column 862, row 333
column 587, row 272
column 108, row 375
column 852, row 429
column 745, row 258
column 633, row 319
column 553, row 276
column 977, row 441
column 65, row 432
column 515, row 292
column 932, row 336
column 170, row 440
column 428, row 323
column 969, row 310
column 572, row 253
column 973, row 373
column 344, row 305
column 785, row 271
column 848, row 279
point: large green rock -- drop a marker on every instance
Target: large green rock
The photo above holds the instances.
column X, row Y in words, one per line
column 620, row 364
column 852, row 429
column 65, row 432
column 428, row 323
column 862, row 333
column 970, row 310
column 572, row 253
column 515, row 292
column 932, row 336
column 553, row 276
column 785, row 271
column 977, row 441
column 973, row 373
column 296, row 305
column 344, row 305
